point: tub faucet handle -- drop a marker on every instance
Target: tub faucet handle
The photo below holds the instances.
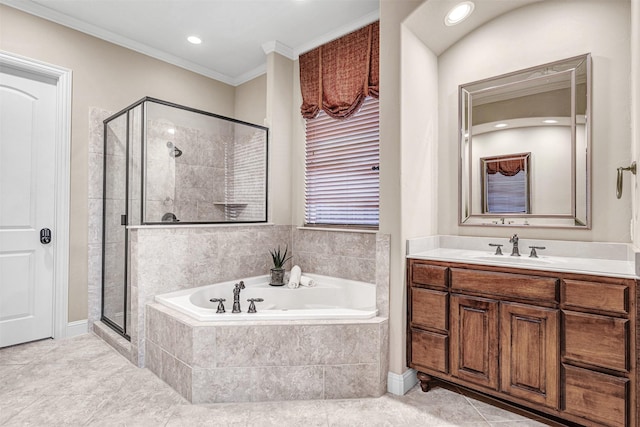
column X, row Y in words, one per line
column 220, row 304
column 252, row 305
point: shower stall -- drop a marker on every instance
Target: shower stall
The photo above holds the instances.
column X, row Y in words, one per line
column 166, row 164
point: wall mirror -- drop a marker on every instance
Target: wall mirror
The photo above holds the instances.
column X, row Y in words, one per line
column 525, row 147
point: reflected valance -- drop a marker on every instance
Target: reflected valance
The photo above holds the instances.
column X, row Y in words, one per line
column 336, row 77
column 505, row 167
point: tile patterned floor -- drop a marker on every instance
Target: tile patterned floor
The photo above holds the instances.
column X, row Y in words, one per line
column 82, row 381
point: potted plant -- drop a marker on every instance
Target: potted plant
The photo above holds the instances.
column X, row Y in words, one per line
column 277, row 272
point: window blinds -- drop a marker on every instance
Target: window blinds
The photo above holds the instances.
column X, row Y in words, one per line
column 342, row 161
column 507, row 194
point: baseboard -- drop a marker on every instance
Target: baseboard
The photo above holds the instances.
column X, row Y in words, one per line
column 400, row 384
column 79, row 327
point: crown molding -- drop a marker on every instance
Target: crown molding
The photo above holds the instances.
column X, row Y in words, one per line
column 278, row 47
column 337, row 33
column 250, row 75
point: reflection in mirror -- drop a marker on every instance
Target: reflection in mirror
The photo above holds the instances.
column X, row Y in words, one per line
column 543, row 112
column 505, row 184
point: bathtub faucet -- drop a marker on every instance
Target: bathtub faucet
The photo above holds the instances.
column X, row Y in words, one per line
column 236, row 297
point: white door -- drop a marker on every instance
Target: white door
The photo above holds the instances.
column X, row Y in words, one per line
column 27, row 177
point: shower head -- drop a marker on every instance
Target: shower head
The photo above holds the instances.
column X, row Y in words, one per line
column 173, row 150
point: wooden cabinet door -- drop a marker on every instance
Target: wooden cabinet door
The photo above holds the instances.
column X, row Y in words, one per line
column 474, row 340
column 529, row 359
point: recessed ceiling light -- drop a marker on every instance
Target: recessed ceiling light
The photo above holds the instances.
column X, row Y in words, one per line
column 549, row 121
column 194, row 39
column 172, row 131
column 501, row 125
column 459, row 13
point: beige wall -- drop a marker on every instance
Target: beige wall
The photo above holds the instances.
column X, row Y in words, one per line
column 251, row 101
column 392, row 14
column 109, row 77
column 604, row 29
column 635, row 110
column 279, row 116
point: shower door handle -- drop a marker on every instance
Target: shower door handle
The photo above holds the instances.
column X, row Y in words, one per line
column 123, row 220
column 45, row 236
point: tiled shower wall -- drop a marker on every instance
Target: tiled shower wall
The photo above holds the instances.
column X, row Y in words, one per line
column 190, row 185
column 245, row 183
column 96, row 164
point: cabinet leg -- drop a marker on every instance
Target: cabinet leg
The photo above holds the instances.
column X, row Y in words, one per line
column 424, row 381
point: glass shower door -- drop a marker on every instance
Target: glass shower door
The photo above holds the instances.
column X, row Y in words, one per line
column 114, row 264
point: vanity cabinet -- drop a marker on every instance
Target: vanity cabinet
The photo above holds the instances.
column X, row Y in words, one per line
column 560, row 343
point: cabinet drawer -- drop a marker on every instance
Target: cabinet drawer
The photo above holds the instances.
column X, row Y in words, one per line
column 598, row 397
column 609, row 297
column 506, row 284
column 429, row 275
column 596, row 340
column 430, row 350
column 429, row 309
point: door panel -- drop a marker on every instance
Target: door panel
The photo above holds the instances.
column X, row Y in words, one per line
column 529, row 359
column 474, row 340
column 27, row 145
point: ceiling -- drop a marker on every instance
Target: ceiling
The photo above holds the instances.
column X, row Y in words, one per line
column 236, row 34
column 427, row 21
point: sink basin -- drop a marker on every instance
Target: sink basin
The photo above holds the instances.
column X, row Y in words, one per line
column 524, row 259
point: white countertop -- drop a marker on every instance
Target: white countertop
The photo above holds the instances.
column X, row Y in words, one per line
column 601, row 259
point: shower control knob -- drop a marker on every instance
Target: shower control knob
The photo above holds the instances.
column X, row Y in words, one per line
column 252, row 306
column 220, row 304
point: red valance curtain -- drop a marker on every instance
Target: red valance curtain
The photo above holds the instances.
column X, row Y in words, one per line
column 338, row 76
column 505, row 167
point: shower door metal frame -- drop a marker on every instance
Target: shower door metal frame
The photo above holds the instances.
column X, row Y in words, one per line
column 122, row 330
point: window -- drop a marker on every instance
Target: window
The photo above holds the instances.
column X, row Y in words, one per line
column 505, row 183
column 341, row 168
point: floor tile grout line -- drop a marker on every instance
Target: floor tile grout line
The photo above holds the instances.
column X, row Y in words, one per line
column 473, row 406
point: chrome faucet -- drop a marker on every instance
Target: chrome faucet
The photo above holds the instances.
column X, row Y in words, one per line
column 515, row 251
column 236, row 297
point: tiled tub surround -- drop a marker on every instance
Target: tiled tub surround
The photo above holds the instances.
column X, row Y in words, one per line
column 268, row 360
column 360, row 256
column 182, row 257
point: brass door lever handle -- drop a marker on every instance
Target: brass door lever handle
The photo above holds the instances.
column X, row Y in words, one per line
column 632, row 169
